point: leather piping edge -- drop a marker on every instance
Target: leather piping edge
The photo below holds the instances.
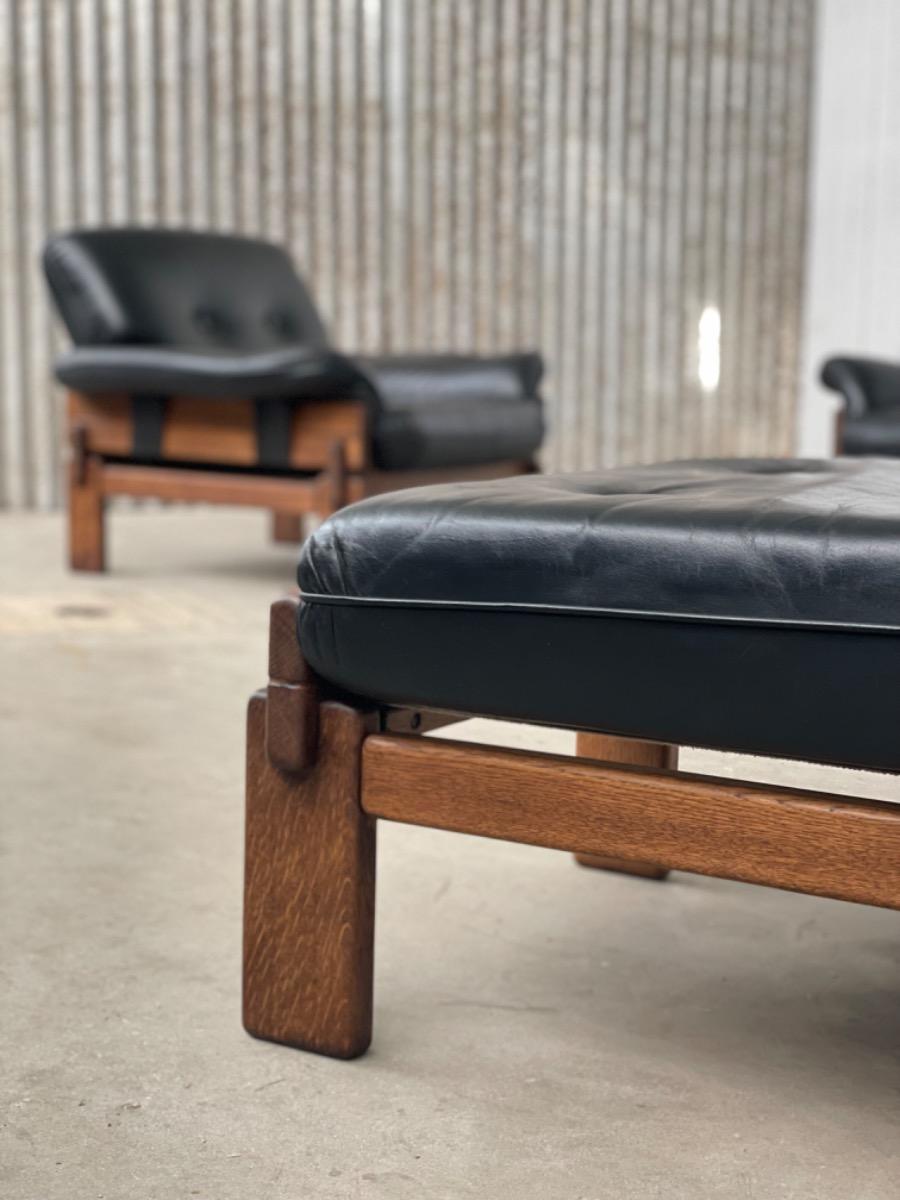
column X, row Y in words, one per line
column 587, row 611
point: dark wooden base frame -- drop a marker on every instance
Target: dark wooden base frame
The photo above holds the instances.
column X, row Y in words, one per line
column 320, row 773
column 208, row 454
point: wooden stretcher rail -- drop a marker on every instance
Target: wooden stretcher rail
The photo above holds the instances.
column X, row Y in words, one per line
column 821, row 844
column 210, row 487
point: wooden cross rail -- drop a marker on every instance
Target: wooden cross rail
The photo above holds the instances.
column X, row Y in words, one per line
column 824, row 845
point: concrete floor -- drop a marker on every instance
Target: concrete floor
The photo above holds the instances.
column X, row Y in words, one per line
column 541, row 1030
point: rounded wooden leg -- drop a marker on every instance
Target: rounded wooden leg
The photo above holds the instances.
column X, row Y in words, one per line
column 634, row 753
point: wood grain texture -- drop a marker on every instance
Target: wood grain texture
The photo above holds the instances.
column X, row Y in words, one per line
column 286, row 661
column 821, row 844
column 309, row 893
column 656, row 755
column 292, row 709
column 87, row 540
column 626, row 751
column 292, row 725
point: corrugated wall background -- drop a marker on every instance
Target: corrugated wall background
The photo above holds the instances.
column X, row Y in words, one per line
column 585, row 177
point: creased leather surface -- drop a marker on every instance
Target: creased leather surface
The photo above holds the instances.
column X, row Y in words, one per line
column 762, row 540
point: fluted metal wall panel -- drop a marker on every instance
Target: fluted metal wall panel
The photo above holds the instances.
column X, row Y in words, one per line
column 585, row 176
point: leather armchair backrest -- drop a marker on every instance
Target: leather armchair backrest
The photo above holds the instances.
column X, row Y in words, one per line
column 868, row 385
column 168, row 287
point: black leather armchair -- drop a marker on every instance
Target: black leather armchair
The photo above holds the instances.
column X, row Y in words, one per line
column 201, row 369
column 870, row 387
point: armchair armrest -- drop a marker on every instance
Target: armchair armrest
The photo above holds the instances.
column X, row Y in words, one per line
column 295, row 372
column 416, row 380
column 865, row 383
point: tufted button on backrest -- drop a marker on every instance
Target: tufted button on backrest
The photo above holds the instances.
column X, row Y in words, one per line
column 179, row 288
column 212, row 324
column 283, row 324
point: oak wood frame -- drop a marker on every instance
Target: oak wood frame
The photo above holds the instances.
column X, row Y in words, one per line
column 206, row 441
column 639, row 754
column 320, row 772
column 839, row 428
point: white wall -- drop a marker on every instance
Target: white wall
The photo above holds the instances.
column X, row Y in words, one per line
column 853, row 274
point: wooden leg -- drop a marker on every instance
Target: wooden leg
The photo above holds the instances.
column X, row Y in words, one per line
column 840, row 421
column 336, row 476
column 309, row 893
column 86, row 534
column 635, row 753
column 287, row 528
column 622, row 865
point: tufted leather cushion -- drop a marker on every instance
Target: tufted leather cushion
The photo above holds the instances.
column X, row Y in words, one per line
column 748, row 605
column 165, row 287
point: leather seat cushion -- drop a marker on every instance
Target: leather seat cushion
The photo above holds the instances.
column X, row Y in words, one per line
column 289, row 372
column 740, row 604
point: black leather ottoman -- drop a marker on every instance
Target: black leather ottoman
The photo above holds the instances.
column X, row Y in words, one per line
column 744, row 604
